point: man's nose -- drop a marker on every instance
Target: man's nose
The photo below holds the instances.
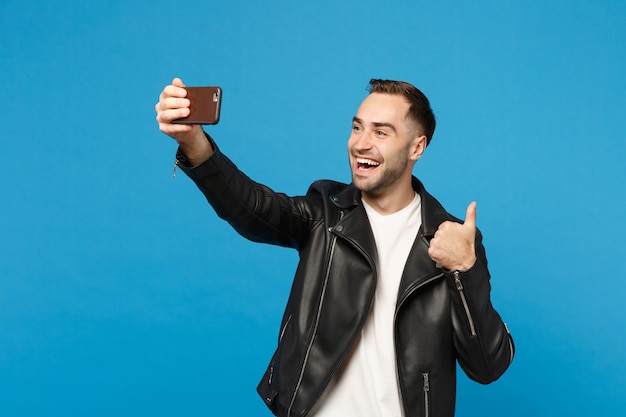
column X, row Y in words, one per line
column 364, row 140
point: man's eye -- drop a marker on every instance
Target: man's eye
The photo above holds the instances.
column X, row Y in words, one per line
column 380, row 133
column 356, row 128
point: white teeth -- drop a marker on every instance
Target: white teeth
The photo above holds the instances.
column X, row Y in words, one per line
column 367, row 161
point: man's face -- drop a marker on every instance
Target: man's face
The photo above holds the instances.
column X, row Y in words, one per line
column 380, row 144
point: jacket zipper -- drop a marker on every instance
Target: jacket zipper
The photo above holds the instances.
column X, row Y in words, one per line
column 280, row 338
column 460, row 289
column 400, row 302
column 317, row 319
column 282, row 332
column 175, row 166
column 410, row 291
column 511, row 348
column 426, row 394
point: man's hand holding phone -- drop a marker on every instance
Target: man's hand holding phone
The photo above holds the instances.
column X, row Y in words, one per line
column 174, row 105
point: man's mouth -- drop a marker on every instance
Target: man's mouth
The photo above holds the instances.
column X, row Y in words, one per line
column 364, row 163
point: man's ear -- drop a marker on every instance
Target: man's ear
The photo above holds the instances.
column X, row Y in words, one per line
column 417, row 147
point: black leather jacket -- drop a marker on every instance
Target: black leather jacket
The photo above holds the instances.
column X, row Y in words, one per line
column 441, row 316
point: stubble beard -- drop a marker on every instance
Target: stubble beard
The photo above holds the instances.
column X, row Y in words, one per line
column 388, row 175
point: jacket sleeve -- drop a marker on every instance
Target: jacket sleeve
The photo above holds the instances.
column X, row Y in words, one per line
column 252, row 209
column 484, row 346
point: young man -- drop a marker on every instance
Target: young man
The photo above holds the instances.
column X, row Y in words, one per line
column 391, row 290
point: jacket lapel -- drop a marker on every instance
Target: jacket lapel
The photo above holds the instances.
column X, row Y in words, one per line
column 354, row 225
column 419, row 267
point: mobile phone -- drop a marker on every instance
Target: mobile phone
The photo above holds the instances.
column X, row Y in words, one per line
column 205, row 106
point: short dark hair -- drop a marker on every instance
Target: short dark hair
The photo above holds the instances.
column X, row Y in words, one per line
column 419, row 107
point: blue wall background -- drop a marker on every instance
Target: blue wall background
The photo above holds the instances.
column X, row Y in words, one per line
column 122, row 294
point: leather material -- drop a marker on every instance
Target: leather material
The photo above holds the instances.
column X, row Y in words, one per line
column 333, row 289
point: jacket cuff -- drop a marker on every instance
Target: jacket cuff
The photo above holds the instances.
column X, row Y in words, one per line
column 472, row 278
column 196, row 171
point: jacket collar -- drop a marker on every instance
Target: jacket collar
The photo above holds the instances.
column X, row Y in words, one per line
column 419, row 266
column 433, row 213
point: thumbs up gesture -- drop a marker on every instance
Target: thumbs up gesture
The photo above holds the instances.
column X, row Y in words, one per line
column 452, row 247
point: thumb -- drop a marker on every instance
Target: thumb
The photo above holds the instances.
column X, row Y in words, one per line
column 470, row 215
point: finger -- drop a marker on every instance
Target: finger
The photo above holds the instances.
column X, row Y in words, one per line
column 444, row 227
column 470, row 215
column 168, row 115
column 178, row 82
column 432, row 253
column 176, row 131
column 173, row 91
column 168, row 103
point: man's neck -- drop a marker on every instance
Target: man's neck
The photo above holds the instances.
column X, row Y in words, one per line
column 389, row 201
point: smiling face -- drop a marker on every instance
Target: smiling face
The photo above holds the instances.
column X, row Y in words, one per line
column 384, row 146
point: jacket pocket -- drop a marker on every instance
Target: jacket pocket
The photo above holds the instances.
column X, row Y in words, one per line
column 282, row 331
column 427, row 395
column 274, row 362
column 267, row 388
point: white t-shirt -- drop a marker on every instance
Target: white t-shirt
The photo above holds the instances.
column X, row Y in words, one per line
column 367, row 385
